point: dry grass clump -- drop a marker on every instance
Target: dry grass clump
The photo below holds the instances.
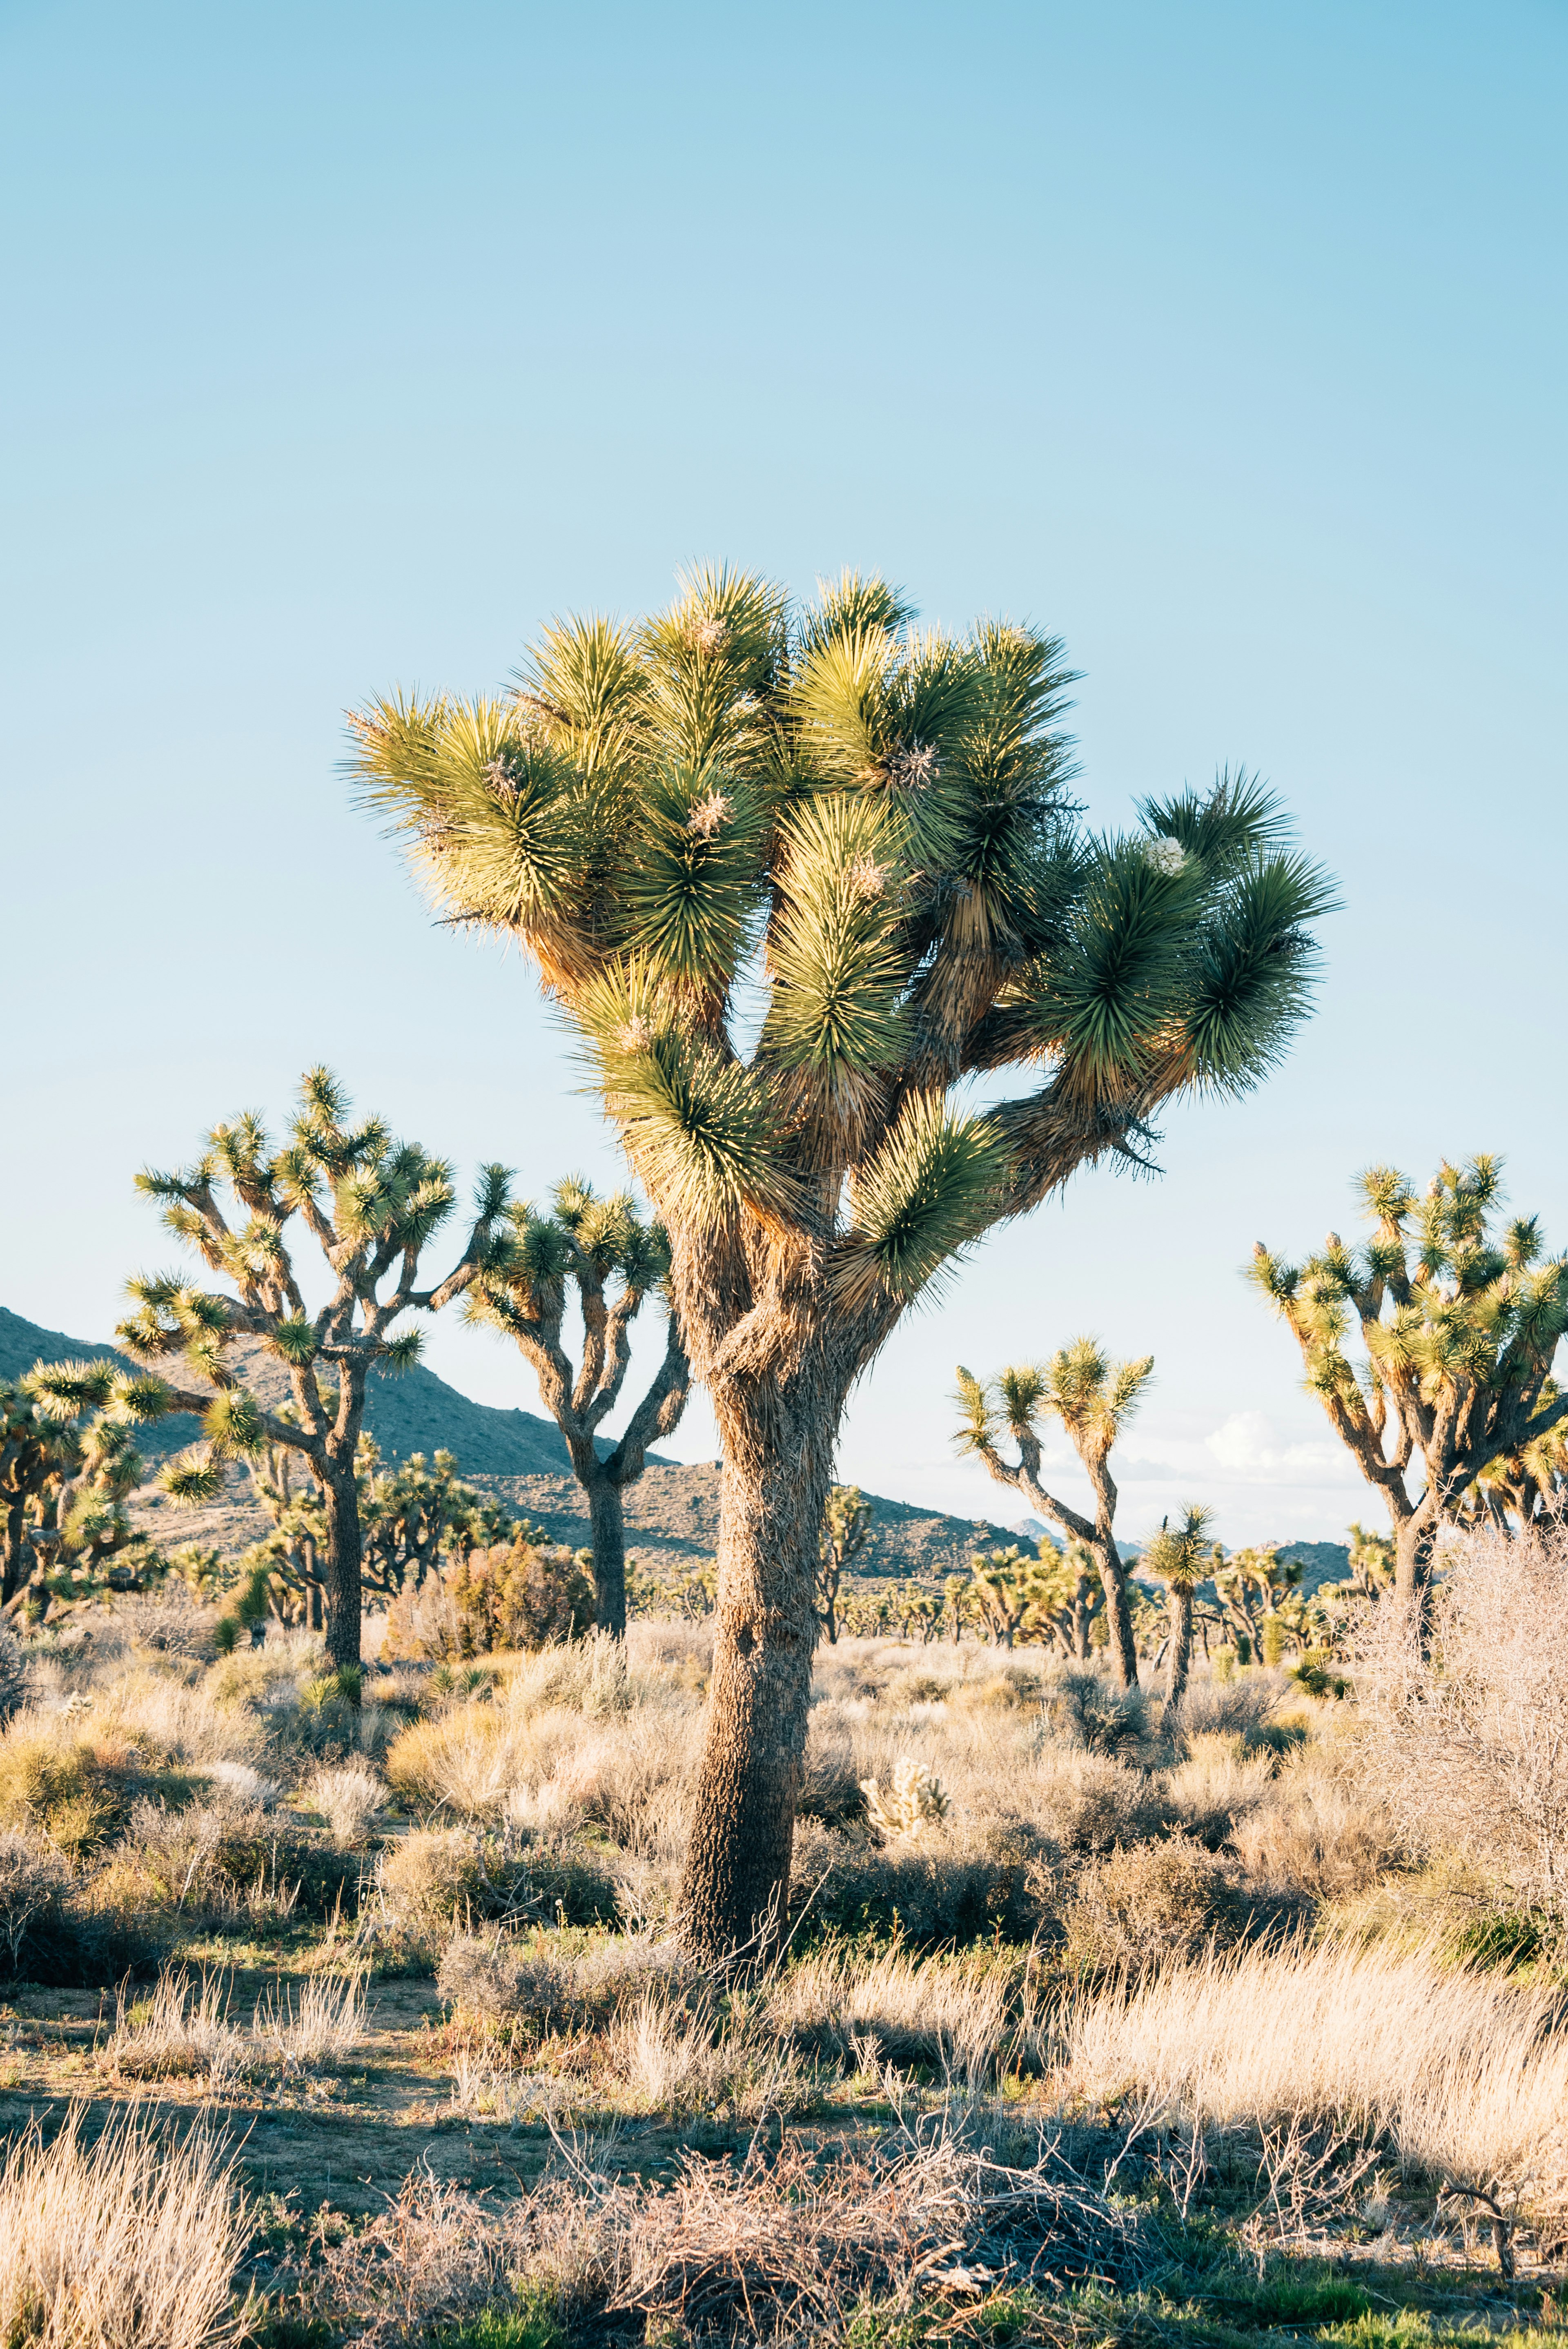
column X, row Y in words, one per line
column 972, row 2015
column 185, row 2030
column 1465, row 2071
column 351, row 1797
column 321, row 2030
column 129, row 2242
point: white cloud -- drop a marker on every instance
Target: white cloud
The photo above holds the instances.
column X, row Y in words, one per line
column 1246, row 1444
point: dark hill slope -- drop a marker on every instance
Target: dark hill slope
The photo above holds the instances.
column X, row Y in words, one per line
column 417, row 1413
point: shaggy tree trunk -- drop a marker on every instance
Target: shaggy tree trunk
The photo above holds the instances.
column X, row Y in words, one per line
column 608, row 1517
column 1113, row 1577
column 1180, row 1648
column 776, row 1436
column 16, row 1550
column 341, row 1570
column 1414, row 1543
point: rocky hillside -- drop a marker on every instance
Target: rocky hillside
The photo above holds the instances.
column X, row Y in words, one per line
column 672, row 1515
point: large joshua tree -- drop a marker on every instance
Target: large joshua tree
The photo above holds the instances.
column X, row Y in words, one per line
column 1094, row 1397
column 614, row 1260
column 1459, row 1324
column 795, row 878
column 372, row 1204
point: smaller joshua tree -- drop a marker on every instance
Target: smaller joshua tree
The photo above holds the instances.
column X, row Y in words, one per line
column 615, row 1261
column 372, row 1204
column 1179, row 1557
column 1006, row 1588
column 1458, row 1327
column 1070, row 1602
column 1094, row 1397
column 67, row 1463
column 846, row 1529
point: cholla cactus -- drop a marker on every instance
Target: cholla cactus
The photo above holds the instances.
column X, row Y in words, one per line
column 913, row 1802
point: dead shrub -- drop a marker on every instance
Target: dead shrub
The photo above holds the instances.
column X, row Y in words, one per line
column 1464, row 1742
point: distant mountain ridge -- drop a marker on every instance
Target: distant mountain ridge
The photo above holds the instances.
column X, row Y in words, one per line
column 672, row 1515
column 415, row 1411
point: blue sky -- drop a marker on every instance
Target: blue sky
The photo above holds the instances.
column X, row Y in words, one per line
column 345, row 344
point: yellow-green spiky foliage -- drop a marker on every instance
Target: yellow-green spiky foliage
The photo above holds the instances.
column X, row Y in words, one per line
column 371, row 1205
column 846, row 1529
column 1459, row 1316
column 67, row 1465
column 605, row 1256
column 793, row 877
column 1181, row 1555
column 1069, row 1598
column 1094, row 1397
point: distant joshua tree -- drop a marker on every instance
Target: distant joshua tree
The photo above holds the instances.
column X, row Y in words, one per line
column 67, row 1465
column 1094, row 1397
column 614, row 1260
column 846, row 1529
column 373, row 1205
column 1459, row 1326
column 1179, row 1557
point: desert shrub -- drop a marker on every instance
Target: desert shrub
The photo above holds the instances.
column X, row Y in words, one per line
column 134, row 2240
column 240, row 1784
column 171, row 1621
column 944, row 1889
column 15, row 1673
column 435, row 1879
column 527, row 1594
column 517, row 1988
column 34, row 1881
column 1314, row 1835
column 54, row 1784
column 1243, row 1707
column 1464, row 1740
column 1149, row 1906
column 1088, row 1712
column 1217, row 1782
column 1088, row 1803
column 830, row 1791
column 173, row 1723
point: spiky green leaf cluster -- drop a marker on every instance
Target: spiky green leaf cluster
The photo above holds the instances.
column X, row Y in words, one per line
column 1460, row 1317
column 795, row 874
